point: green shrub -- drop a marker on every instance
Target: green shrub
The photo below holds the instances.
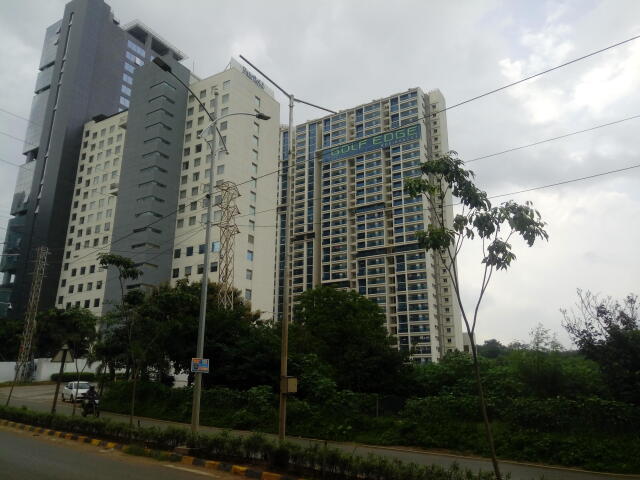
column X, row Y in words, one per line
column 72, row 377
column 326, row 462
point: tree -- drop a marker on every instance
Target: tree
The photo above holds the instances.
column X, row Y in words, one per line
column 74, row 327
column 607, row 331
column 495, row 226
column 492, row 349
column 243, row 350
column 346, row 331
column 538, row 365
column 10, row 333
column 127, row 270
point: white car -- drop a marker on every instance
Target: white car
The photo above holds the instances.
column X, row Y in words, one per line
column 73, row 391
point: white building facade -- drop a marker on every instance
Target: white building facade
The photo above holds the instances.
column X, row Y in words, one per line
column 92, row 213
column 251, row 163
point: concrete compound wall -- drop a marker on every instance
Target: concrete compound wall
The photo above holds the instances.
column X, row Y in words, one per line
column 44, row 369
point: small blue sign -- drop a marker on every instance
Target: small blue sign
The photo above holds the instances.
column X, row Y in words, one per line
column 200, row 365
column 376, row 142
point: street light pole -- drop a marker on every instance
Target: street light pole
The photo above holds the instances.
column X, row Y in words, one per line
column 197, row 389
column 284, row 347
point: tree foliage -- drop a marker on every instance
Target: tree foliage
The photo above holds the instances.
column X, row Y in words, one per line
column 10, row 336
column 608, row 332
column 75, row 327
column 346, row 331
column 243, row 351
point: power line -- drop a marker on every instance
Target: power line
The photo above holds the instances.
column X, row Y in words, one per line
column 11, row 163
column 564, row 182
column 20, row 116
column 540, row 187
column 552, row 139
column 504, row 87
column 17, row 138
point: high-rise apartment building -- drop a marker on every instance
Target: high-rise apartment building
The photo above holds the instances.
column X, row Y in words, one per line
column 86, row 69
column 353, row 226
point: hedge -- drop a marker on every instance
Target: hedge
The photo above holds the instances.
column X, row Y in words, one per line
column 312, row 460
column 72, row 377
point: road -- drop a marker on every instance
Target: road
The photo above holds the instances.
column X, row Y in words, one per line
column 39, row 398
column 25, row 455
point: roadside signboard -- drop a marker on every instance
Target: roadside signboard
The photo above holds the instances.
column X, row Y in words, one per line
column 200, row 365
column 64, row 353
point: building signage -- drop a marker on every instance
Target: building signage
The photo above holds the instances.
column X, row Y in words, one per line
column 375, row 142
column 200, row 365
column 253, row 78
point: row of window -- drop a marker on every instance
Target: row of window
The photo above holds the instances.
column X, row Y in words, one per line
column 84, row 304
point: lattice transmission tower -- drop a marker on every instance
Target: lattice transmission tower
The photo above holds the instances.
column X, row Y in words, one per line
column 228, row 231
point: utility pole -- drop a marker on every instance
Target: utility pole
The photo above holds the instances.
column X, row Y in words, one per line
column 25, row 353
column 286, row 318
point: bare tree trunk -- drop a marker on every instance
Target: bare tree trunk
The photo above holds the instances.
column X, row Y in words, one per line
column 483, row 407
column 133, row 395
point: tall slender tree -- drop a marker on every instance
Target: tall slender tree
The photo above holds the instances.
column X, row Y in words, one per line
column 127, row 270
column 495, row 227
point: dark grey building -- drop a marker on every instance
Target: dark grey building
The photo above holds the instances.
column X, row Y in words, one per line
column 87, row 69
column 144, row 223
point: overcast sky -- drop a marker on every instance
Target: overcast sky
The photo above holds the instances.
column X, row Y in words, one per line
column 342, row 53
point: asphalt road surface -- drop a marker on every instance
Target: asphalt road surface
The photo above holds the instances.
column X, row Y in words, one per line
column 39, row 398
column 26, row 455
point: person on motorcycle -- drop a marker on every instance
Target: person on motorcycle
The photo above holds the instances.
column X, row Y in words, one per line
column 90, row 404
column 91, row 395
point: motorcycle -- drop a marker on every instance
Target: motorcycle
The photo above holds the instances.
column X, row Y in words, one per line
column 91, row 407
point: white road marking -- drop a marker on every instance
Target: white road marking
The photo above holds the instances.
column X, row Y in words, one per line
column 206, row 474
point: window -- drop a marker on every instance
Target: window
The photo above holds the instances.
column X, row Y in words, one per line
column 249, row 274
column 176, row 253
column 226, row 85
column 220, row 169
column 214, row 267
column 223, row 125
column 225, row 98
column 189, row 251
column 175, row 273
column 187, row 271
column 256, row 101
column 250, row 255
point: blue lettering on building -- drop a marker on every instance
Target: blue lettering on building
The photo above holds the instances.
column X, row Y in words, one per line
column 383, row 140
